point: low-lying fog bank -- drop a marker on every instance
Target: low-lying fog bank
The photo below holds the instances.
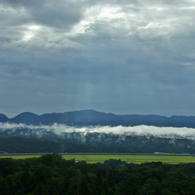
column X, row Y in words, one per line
column 60, row 130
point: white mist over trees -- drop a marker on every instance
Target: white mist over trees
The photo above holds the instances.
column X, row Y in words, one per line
column 142, row 130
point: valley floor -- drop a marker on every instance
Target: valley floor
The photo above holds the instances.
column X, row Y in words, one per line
column 129, row 158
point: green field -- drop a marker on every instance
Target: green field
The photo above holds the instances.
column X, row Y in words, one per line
column 128, row 158
column 20, row 156
column 133, row 158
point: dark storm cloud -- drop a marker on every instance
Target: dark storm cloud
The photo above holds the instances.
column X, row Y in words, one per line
column 60, row 14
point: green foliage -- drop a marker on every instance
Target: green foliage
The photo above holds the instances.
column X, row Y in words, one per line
column 8, row 166
column 41, row 174
column 4, row 188
column 51, row 174
column 106, row 144
column 52, row 159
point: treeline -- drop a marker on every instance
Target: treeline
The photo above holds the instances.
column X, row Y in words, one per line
column 51, row 174
column 27, row 145
column 133, row 145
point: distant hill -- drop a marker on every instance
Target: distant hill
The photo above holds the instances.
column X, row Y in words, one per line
column 25, row 117
column 3, row 118
column 38, row 139
column 94, row 118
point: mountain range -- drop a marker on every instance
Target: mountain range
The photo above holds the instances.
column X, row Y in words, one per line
column 94, row 118
column 40, row 135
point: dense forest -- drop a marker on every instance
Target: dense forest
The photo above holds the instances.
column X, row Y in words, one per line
column 51, row 174
column 137, row 144
column 27, row 145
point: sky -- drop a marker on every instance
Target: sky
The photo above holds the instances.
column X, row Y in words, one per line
column 119, row 56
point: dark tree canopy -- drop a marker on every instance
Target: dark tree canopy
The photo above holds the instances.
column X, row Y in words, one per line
column 51, row 174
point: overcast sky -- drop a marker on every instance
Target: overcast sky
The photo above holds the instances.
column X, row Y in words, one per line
column 119, row 56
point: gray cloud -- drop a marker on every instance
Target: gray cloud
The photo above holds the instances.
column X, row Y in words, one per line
column 55, row 14
column 112, row 56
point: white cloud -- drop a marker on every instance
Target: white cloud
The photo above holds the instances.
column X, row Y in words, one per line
column 146, row 19
column 143, row 130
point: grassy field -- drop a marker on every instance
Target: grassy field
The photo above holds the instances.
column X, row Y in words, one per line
column 139, row 158
column 128, row 158
column 20, row 156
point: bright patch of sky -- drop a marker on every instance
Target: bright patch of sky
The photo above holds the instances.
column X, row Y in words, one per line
column 30, row 33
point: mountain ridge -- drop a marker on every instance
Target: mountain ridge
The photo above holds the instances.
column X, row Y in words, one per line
column 23, row 117
column 94, row 118
column 3, row 118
